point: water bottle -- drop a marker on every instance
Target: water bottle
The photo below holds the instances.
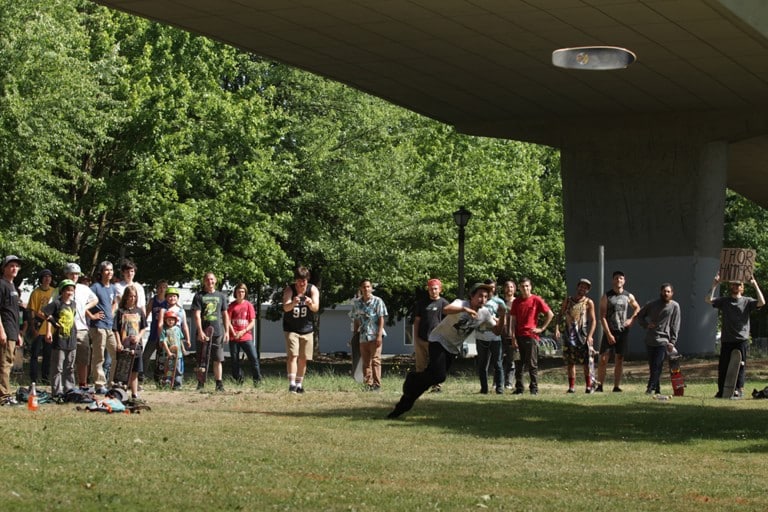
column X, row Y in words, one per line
column 32, row 399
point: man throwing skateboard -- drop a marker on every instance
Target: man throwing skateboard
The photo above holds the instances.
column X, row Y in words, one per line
column 735, row 308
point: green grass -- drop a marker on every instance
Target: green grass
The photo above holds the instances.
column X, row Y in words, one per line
column 331, row 449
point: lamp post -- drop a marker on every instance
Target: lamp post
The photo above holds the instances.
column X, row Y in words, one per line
column 461, row 218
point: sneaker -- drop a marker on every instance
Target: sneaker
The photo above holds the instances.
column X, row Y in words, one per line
column 534, row 392
column 517, row 392
column 719, row 394
column 300, row 390
column 616, row 389
column 292, row 388
column 589, row 391
column 649, row 391
column 499, row 391
column 571, row 390
column 374, row 388
column 599, row 388
column 219, row 386
column 509, row 386
column 436, row 389
column 200, row 386
column 483, row 391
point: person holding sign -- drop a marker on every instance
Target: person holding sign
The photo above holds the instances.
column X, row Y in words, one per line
column 735, row 309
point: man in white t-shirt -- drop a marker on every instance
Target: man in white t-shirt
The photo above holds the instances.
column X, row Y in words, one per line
column 128, row 273
column 461, row 319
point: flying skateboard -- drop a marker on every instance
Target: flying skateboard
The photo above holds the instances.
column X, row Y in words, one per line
column 357, row 362
column 204, row 356
column 732, row 374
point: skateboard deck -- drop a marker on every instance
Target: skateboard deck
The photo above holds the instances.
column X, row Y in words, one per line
column 593, row 57
column 121, row 373
column 732, row 375
column 357, row 362
column 204, row 355
column 170, row 370
column 676, row 376
column 592, row 376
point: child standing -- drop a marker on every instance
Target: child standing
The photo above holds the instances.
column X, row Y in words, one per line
column 171, row 348
column 130, row 324
column 60, row 314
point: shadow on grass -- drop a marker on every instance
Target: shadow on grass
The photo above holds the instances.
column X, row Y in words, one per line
column 667, row 422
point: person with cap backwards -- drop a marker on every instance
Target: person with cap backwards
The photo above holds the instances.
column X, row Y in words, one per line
column 60, row 317
column 577, row 314
column 524, row 320
column 84, row 299
column 462, row 318
column 10, row 335
column 428, row 313
column 39, row 298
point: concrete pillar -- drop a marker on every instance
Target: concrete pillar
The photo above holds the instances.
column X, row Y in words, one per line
column 655, row 199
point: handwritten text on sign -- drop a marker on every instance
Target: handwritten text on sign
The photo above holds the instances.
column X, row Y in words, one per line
column 737, row 264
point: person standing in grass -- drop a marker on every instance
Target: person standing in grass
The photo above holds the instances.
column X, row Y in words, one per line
column 661, row 319
column 102, row 317
column 242, row 319
column 155, row 307
column 210, row 309
column 40, row 297
column 368, row 315
column 735, row 308
column 616, row 321
column 10, row 335
column 429, row 313
column 488, row 341
column 301, row 301
column 577, row 314
column 461, row 319
column 60, row 316
column 130, row 324
column 524, row 319
column 170, row 346
column 507, row 350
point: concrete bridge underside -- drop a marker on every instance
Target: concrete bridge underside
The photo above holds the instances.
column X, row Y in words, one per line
column 647, row 151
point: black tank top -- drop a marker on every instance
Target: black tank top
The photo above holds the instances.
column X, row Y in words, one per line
column 300, row 319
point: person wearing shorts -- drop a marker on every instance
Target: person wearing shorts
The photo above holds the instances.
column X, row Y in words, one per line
column 614, row 309
column 210, row 309
column 577, row 315
column 301, row 301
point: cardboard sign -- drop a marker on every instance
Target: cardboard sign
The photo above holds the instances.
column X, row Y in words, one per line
column 737, row 265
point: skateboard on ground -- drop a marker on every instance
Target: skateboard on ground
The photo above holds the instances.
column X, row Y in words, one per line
column 732, row 375
column 357, row 362
column 204, row 355
column 676, row 374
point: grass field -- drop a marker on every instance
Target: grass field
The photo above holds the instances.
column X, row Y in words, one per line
column 332, row 449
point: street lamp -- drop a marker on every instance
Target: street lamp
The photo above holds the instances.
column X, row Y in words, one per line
column 461, row 218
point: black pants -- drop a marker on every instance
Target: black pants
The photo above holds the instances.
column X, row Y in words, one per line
column 725, row 358
column 417, row 383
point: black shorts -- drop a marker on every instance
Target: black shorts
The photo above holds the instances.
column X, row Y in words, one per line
column 621, row 348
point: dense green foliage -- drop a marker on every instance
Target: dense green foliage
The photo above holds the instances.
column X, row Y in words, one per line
column 124, row 138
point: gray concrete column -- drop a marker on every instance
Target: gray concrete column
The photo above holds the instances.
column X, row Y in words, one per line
column 655, row 199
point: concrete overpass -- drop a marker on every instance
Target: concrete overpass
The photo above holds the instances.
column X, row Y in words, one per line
column 646, row 151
